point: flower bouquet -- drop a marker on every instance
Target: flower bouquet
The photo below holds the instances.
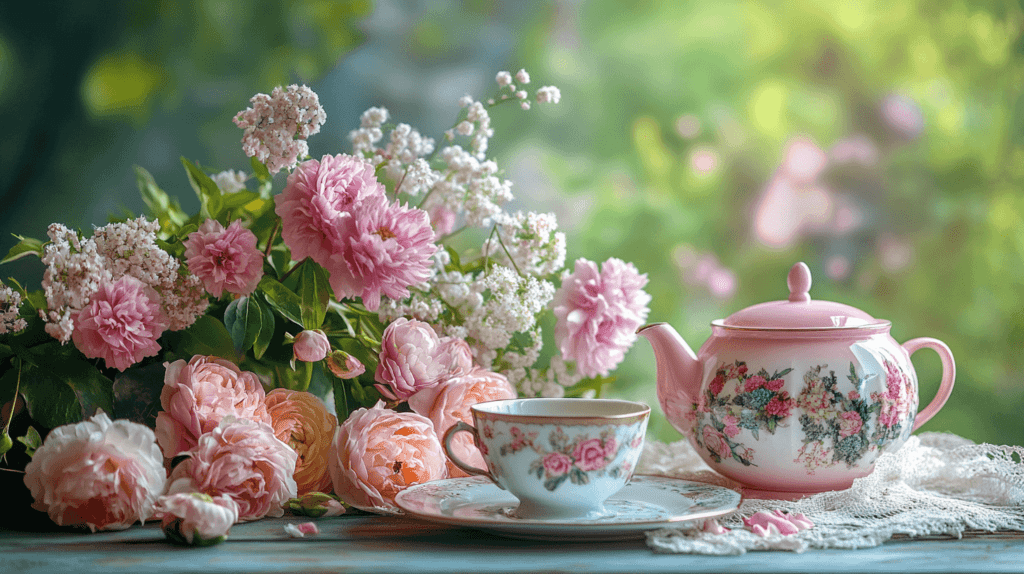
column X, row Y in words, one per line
column 193, row 368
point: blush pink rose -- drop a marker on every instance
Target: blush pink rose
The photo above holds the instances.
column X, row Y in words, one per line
column 311, row 346
column 591, row 455
column 448, row 403
column 556, row 464
column 344, row 366
column 317, row 197
column 381, row 250
column 101, row 474
column 121, row 323
column 379, row 452
column 850, row 423
column 196, row 519
column 244, row 460
column 597, row 314
column 224, row 259
column 413, row 358
column 716, row 443
column 198, row 394
column 301, row 421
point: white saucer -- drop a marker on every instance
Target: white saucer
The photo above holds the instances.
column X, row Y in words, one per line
column 646, row 503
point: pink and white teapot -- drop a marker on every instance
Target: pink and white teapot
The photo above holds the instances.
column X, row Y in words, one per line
column 794, row 397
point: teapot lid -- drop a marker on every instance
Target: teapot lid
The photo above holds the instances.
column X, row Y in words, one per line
column 799, row 311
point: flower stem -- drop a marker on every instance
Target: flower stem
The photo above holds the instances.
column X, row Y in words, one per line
column 270, row 240
column 292, row 270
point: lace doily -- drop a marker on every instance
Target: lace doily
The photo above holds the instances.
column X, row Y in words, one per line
column 936, row 484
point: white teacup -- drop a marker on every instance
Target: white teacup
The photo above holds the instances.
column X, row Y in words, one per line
column 562, row 458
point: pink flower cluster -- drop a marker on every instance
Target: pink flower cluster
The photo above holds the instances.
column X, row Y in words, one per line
column 896, row 399
column 335, row 212
column 598, row 312
column 276, row 126
column 10, row 305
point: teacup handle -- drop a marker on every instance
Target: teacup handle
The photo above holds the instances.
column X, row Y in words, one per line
column 948, row 376
column 449, row 435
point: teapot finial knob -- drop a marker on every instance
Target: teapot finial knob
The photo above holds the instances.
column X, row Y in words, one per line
column 799, row 282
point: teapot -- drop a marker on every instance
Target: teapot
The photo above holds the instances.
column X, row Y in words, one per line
column 794, row 397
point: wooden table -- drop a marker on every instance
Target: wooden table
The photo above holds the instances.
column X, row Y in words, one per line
column 379, row 544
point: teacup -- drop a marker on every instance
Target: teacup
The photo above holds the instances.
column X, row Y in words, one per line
column 562, row 458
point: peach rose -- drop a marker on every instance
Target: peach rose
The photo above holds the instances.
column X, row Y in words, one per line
column 301, row 420
column 198, row 394
column 99, row 473
column 243, row 460
column 449, row 402
column 196, row 519
column 379, row 452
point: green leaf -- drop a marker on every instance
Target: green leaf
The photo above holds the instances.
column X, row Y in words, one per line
column 66, row 394
column 31, row 440
column 137, row 393
column 243, row 319
column 282, row 299
column 266, row 329
column 26, row 246
column 260, row 170
column 206, row 189
column 295, row 379
column 208, row 336
column 167, row 211
column 316, row 294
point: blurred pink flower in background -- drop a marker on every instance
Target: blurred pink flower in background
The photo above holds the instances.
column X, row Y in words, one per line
column 838, row 267
column 379, row 452
column 704, row 271
column 597, row 313
column 224, row 259
column 194, row 518
column 101, row 474
column 704, row 160
column 413, row 358
column 803, row 161
column 198, row 394
column 316, row 196
column 858, row 149
column 121, row 323
column 903, row 115
column 688, row 126
column 442, row 218
column 894, row 253
column 244, row 460
column 450, row 402
column 311, row 345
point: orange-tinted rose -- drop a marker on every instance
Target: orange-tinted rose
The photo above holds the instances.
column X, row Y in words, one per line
column 301, row 421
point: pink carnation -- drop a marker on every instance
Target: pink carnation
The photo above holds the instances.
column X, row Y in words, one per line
column 311, row 346
column 413, row 358
column 100, row 474
column 597, row 314
column 121, row 323
column 379, row 452
column 448, row 403
column 243, row 460
column 316, row 197
column 381, row 250
column 197, row 395
column 225, row 259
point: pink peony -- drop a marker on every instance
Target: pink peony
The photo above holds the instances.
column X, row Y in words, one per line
column 195, row 518
column 317, row 196
column 100, row 474
column 311, row 346
column 197, row 395
column 225, row 259
column 121, row 323
column 556, row 464
column 379, row 452
column 779, row 406
column 597, row 314
column 344, row 366
column 381, row 250
column 850, row 423
column 301, row 421
column 591, row 454
column 753, row 383
column 448, row 403
column 413, row 357
column 243, row 460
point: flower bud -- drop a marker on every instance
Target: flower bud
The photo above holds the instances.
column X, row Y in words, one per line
column 197, row 519
column 311, row 346
column 344, row 366
column 316, row 505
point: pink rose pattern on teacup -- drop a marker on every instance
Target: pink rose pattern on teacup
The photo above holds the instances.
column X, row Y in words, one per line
column 836, row 427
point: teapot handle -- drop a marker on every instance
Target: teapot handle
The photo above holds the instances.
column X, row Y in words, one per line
column 948, row 376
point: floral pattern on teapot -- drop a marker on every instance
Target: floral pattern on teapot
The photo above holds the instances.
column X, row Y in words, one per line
column 835, row 426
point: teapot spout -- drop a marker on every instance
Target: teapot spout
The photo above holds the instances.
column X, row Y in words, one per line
column 679, row 370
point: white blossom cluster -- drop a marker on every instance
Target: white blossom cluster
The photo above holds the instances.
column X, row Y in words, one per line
column 77, row 267
column 402, row 157
column 10, row 306
column 531, row 240
column 230, row 181
column 276, row 126
column 470, row 187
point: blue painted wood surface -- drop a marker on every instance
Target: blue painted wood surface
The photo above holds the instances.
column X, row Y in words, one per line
column 381, row 544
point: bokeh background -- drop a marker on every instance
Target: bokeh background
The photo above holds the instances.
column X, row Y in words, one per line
column 712, row 143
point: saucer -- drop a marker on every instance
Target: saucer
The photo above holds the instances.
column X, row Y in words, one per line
column 646, row 503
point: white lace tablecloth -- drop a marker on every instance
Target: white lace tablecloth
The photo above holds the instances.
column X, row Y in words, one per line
column 937, row 484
